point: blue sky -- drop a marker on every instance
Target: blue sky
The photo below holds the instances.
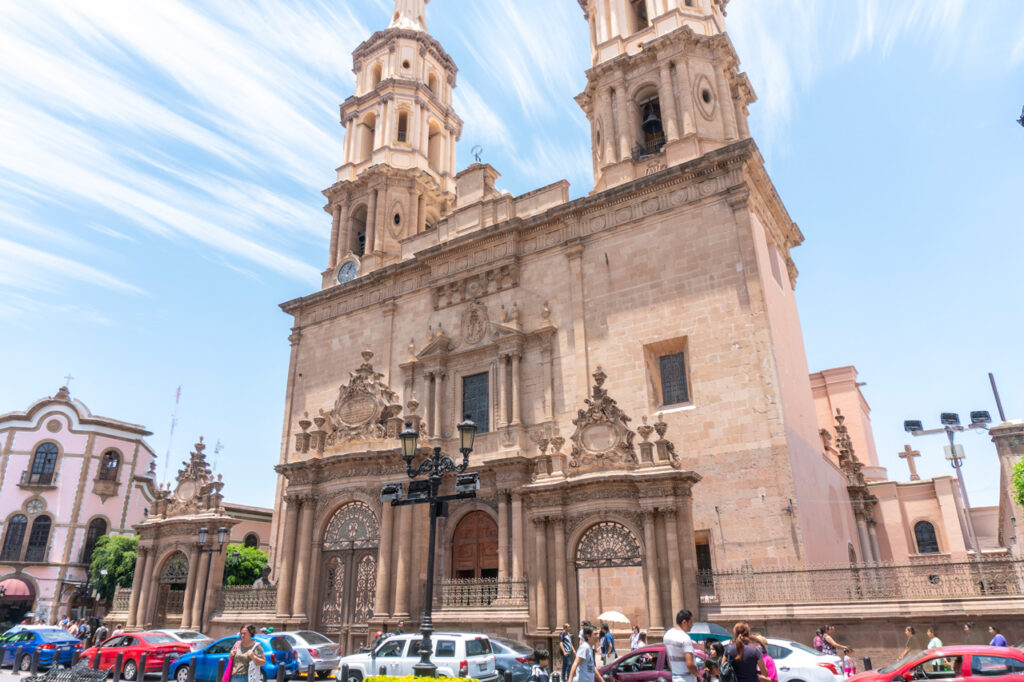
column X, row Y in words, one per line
column 161, row 166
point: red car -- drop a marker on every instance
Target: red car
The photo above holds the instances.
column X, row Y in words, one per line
column 156, row 646
column 646, row 664
column 968, row 662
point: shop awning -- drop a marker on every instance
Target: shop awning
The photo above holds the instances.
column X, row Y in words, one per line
column 16, row 589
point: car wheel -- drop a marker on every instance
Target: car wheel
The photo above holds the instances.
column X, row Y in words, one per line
column 25, row 663
column 129, row 671
column 354, row 676
column 181, row 674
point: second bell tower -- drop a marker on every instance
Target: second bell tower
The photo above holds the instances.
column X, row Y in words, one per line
column 398, row 174
column 664, row 86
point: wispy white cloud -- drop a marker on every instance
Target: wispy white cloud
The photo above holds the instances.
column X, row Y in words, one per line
column 26, row 268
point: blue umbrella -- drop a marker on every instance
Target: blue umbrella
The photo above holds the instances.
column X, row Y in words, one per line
column 702, row 631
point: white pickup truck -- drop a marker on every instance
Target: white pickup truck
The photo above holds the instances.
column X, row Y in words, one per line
column 456, row 654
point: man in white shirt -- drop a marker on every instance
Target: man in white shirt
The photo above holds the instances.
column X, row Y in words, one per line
column 679, row 649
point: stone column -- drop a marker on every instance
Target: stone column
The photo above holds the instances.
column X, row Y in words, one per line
column 608, row 134
column 502, row 407
column 876, row 554
column 197, row 602
column 862, row 534
column 686, row 98
column 190, row 589
column 371, row 222
column 561, row 600
column 687, row 550
column 515, row 389
column 382, row 601
column 303, row 546
column 152, row 593
column 625, row 121
column 540, row 572
column 675, row 569
column 549, row 408
column 725, row 105
column 379, row 226
column 517, row 536
column 284, row 580
column 502, row 535
column 651, row 570
column 402, row 563
column 335, row 229
column 668, row 103
column 138, row 588
column 421, row 214
column 438, row 394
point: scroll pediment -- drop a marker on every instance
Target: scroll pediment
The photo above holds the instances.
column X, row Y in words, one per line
column 602, row 438
column 439, row 344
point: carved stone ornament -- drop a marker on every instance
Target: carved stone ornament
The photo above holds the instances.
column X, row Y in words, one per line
column 196, row 489
column 476, row 286
column 364, row 408
column 602, row 438
column 474, row 324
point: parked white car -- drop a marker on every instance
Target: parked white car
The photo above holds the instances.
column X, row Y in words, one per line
column 312, row 647
column 456, row 654
column 798, row 662
column 195, row 640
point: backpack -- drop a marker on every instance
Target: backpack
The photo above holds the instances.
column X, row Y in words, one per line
column 726, row 673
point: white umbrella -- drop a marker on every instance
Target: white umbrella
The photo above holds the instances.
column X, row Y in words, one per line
column 612, row 617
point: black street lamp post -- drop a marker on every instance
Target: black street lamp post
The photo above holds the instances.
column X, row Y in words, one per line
column 434, row 467
column 204, row 534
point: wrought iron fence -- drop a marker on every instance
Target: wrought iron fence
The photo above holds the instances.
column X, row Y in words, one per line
column 121, row 599
column 920, row 580
column 248, row 598
column 649, row 147
column 479, row 592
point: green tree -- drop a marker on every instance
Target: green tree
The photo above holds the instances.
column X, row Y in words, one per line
column 243, row 565
column 1018, row 482
column 113, row 563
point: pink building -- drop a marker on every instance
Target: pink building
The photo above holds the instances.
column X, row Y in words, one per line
column 67, row 477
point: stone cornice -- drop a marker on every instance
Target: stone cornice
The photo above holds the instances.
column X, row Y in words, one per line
column 427, row 41
column 698, row 180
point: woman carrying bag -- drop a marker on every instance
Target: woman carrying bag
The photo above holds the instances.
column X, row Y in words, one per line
column 246, row 658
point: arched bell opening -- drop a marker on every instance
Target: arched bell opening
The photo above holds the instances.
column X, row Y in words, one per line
column 358, row 231
column 651, row 136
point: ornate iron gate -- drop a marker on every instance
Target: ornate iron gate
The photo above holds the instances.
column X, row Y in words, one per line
column 349, row 569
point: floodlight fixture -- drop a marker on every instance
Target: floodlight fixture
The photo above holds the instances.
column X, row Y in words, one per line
column 419, row 490
column 949, row 419
column 465, row 483
column 981, row 417
column 912, row 425
column 392, row 491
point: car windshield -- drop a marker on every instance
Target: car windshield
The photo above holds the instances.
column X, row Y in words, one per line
column 512, row 645
column 54, row 635
column 314, row 637
column 478, row 646
column 189, row 634
column 157, row 638
column 803, row 647
column 909, row 657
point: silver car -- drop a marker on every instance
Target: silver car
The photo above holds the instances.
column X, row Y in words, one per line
column 195, row 640
column 312, row 647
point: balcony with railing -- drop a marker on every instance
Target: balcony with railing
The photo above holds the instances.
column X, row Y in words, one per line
column 38, row 479
column 480, row 593
column 649, row 147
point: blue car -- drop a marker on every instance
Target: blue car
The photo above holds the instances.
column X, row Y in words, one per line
column 206, row 660
column 53, row 645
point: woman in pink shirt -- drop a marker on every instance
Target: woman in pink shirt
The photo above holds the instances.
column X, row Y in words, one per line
column 769, row 662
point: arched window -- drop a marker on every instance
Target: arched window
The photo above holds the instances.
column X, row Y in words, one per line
column 432, row 83
column 252, row 540
column 38, row 539
column 358, row 231
column 403, row 126
column 44, row 462
column 927, row 541
column 639, row 11
column 14, row 537
column 110, row 466
column 97, row 529
column 375, row 75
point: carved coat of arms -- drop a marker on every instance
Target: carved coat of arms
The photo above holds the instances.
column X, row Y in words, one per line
column 602, row 437
column 364, row 406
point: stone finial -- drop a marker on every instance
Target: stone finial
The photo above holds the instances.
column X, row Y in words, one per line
column 660, row 426
column 599, row 377
column 200, row 446
column 62, row 394
column 412, row 405
column 645, row 430
column 412, row 349
column 367, row 355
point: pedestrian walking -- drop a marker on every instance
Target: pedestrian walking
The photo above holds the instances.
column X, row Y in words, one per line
column 607, row 644
column 997, row 637
column 119, row 630
column 909, row 631
column 583, row 668
column 744, row 658
column 247, row 657
column 829, row 645
column 817, row 640
column 849, row 663
column 634, row 639
column 679, row 649
column 101, row 633
column 933, row 641
column 539, row 671
column 565, row 644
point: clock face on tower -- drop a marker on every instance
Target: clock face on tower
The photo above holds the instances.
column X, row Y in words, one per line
column 347, row 272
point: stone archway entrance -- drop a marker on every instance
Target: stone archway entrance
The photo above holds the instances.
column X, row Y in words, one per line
column 171, row 591
column 610, row 574
column 349, row 582
column 475, row 547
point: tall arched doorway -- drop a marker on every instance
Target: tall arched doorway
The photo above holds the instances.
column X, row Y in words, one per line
column 349, row 582
column 171, row 594
column 475, row 547
column 610, row 574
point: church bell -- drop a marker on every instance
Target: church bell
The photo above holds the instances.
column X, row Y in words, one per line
column 651, row 124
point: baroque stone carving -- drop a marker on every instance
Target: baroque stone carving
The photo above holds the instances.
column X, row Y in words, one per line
column 476, row 286
column 196, row 488
column 474, row 323
column 602, row 437
column 354, row 526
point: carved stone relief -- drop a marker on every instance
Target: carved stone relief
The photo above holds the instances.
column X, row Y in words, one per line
column 602, row 438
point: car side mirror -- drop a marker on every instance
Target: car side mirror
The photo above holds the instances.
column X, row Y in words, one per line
column 899, row 678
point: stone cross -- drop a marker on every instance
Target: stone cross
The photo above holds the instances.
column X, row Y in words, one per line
column 909, row 455
column 67, row 380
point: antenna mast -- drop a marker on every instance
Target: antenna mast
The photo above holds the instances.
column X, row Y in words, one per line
column 170, row 435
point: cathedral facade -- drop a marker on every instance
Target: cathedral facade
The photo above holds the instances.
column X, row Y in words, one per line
column 633, row 359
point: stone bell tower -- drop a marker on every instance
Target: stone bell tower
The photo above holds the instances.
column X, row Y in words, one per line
column 664, row 86
column 398, row 175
